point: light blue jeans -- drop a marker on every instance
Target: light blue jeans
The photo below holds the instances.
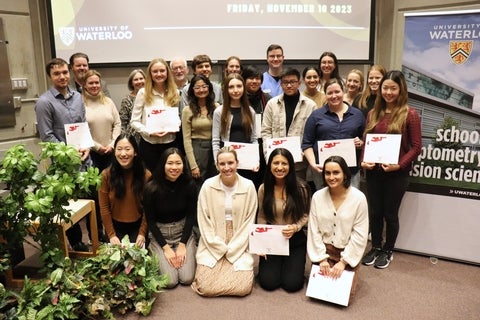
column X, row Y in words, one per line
column 172, row 232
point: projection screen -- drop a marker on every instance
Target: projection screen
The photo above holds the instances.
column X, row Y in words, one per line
column 112, row 31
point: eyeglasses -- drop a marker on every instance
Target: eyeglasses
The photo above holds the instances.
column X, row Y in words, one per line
column 205, row 86
column 291, row 83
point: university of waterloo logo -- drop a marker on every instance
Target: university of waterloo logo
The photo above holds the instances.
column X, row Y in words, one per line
column 460, row 50
column 67, row 35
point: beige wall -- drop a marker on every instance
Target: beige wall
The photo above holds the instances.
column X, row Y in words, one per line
column 25, row 26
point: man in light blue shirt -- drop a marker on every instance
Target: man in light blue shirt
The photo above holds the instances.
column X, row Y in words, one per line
column 56, row 107
column 271, row 78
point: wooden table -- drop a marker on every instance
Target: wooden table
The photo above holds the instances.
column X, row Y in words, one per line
column 79, row 209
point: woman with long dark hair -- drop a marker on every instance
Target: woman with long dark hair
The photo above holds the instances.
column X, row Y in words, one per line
column 284, row 199
column 387, row 183
column 120, row 195
column 338, row 222
column 170, row 201
column 197, row 122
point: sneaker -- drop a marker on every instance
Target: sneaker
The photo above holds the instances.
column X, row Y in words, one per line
column 371, row 256
column 383, row 259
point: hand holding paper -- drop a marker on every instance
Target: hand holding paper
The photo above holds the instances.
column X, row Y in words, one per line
column 268, row 239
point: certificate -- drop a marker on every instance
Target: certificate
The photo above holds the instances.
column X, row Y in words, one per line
column 268, row 239
column 78, row 135
column 382, row 148
column 329, row 289
column 162, row 119
column 344, row 148
column 292, row 144
column 247, row 153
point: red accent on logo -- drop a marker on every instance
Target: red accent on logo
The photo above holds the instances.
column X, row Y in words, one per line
column 377, row 139
column 330, row 144
column 277, row 142
column 262, row 229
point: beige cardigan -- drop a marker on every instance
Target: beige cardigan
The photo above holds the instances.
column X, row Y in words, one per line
column 212, row 223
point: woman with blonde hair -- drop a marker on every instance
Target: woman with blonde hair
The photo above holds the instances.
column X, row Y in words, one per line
column 366, row 100
column 103, row 119
column 227, row 204
column 354, row 86
column 160, row 91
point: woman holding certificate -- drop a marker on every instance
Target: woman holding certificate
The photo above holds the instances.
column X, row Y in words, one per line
column 387, row 183
column 227, row 205
column 284, row 200
column 234, row 121
column 338, row 222
column 155, row 114
column 336, row 120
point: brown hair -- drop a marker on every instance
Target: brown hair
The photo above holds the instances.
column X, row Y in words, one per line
column 247, row 118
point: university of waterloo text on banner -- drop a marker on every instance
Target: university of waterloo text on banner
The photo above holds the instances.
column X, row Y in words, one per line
column 441, row 62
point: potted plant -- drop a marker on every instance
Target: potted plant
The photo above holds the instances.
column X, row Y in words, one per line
column 117, row 280
column 39, row 189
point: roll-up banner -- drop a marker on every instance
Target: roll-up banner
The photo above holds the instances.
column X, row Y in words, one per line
column 440, row 214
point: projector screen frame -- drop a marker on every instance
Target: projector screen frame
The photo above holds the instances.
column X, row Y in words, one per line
column 133, row 64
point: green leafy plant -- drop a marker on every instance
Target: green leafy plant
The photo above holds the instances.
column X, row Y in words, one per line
column 38, row 191
column 117, row 280
column 8, row 301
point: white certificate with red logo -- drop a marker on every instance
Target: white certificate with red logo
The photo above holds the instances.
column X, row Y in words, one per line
column 344, row 148
column 382, row 148
column 329, row 289
column 78, row 135
column 162, row 119
column 292, row 144
column 247, row 153
column 268, row 239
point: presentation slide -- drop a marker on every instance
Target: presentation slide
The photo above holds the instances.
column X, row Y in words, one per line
column 112, row 31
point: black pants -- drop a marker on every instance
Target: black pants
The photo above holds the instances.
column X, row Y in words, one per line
column 385, row 193
column 151, row 153
column 286, row 272
column 128, row 228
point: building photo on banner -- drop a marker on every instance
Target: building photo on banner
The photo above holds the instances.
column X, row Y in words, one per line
column 440, row 55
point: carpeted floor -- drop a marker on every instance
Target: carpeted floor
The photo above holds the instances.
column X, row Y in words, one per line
column 411, row 288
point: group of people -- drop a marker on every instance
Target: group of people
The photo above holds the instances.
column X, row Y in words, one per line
column 182, row 194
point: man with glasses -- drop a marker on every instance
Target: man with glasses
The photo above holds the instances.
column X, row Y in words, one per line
column 180, row 72
column 271, row 78
column 285, row 115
